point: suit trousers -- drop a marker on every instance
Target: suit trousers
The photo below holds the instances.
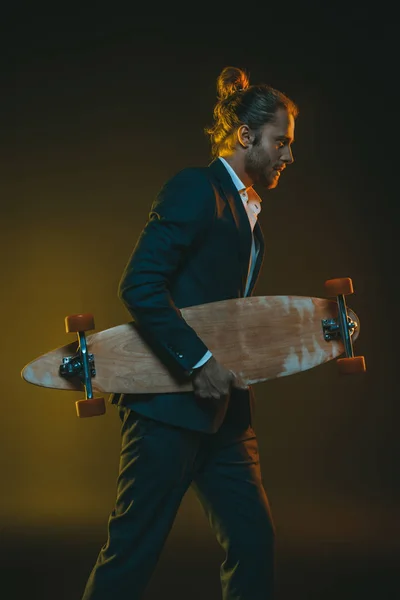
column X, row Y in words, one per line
column 158, row 463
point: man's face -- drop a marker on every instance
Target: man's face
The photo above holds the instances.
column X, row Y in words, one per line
column 271, row 151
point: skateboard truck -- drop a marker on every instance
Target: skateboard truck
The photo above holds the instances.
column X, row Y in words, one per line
column 342, row 328
column 74, row 366
column 82, row 365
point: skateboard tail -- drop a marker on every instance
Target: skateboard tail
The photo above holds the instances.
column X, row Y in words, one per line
column 44, row 370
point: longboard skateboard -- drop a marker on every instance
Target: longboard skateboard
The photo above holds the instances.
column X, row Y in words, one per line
column 258, row 338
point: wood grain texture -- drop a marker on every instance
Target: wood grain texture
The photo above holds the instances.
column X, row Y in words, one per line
column 259, row 338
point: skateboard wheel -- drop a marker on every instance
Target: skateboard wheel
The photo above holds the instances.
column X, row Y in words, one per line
column 90, row 407
column 354, row 364
column 76, row 323
column 341, row 286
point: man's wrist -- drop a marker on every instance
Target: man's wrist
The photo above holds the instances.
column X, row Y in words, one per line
column 198, row 366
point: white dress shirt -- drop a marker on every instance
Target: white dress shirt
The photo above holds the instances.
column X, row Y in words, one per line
column 252, row 203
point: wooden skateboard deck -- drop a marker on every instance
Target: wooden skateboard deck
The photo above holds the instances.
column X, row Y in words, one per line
column 259, row 338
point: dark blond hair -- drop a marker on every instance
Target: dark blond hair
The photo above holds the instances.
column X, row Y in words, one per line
column 239, row 103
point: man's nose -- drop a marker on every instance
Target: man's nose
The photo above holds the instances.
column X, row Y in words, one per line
column 288, row 156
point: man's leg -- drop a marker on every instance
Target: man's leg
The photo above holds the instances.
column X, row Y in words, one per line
column 155, row 472
column 231, row 492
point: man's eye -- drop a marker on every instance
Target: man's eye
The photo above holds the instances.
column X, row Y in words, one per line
column 280, row 144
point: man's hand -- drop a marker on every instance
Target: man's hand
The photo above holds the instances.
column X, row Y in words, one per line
column 213, row 380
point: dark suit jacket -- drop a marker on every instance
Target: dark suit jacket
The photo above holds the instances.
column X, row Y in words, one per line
column 195, row 248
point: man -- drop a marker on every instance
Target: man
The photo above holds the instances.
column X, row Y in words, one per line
column 202, row 243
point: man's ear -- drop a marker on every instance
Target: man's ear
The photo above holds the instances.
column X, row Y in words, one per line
column 244, row 136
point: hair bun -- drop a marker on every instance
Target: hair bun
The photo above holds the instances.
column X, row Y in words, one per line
column 230, row 81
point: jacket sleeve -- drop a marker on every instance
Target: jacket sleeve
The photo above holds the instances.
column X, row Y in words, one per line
column 179, row 219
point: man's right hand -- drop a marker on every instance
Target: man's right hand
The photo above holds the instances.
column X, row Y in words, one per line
column 213, row 380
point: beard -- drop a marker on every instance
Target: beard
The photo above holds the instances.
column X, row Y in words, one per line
column 258, row 165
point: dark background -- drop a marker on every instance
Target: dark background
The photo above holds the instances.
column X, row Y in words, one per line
column 98, row 111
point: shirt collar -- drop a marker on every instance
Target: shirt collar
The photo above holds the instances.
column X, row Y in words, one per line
column 241, row 188
column 238, row 183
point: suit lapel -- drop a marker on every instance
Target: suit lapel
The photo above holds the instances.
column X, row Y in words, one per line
column 239, row 213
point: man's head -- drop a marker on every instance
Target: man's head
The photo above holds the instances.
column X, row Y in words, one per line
column 253, row 128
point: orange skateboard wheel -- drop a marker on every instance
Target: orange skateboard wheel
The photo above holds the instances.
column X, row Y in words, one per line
column 337, row 287
column 90, row 407
column 353, row 364
column 76, row 323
